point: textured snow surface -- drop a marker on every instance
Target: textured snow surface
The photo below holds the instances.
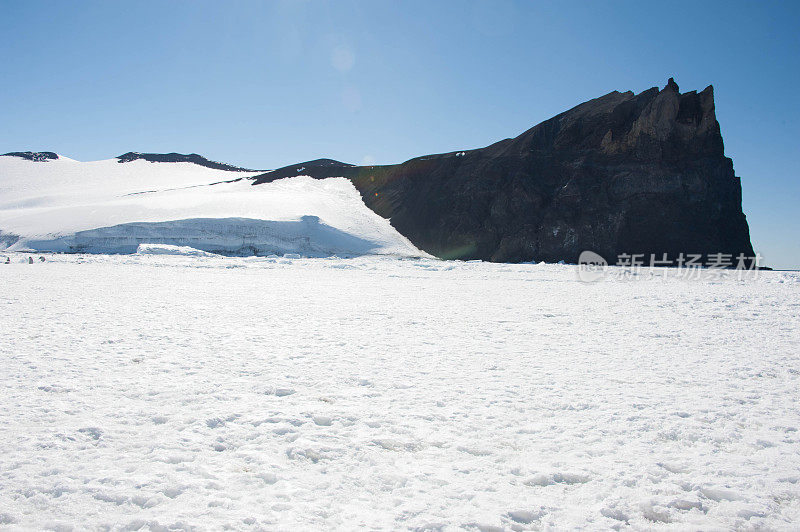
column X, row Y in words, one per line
column 108, row 207
column 155, row 391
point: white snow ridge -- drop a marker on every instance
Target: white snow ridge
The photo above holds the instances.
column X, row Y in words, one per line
column 108, row 207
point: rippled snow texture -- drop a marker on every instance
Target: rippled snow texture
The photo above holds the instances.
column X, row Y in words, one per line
column 199, row 392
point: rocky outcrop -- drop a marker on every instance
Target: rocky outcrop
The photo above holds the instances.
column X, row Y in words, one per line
column 621, row 174
column 179, row 158
column 35, row 156
column 318, row 168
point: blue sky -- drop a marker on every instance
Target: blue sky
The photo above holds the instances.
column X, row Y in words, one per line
column 263, row 84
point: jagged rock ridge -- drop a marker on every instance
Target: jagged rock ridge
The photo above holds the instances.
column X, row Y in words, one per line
column 623, row 173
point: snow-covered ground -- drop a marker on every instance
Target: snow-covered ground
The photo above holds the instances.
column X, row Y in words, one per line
column 112, row 207
column 196, row 392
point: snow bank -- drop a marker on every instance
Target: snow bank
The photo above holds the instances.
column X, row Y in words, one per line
column 108, row 207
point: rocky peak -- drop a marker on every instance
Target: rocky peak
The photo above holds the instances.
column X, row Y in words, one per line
column 671, row 85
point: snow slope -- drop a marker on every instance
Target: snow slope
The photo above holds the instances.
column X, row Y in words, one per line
column 108, row 207
column 147, row 392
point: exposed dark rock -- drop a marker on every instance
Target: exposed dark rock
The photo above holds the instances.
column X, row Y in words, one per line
column 319, row 168
column 36, row 156
column 180, row 158
column 621, row 174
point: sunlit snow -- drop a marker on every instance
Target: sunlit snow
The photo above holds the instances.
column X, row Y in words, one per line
column 178, row 391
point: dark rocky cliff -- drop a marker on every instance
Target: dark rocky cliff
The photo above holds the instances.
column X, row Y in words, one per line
column 623, row 173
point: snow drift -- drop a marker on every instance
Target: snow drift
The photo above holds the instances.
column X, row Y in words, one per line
column 65, row 205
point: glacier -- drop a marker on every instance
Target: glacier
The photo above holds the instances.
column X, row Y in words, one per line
column 63, row 205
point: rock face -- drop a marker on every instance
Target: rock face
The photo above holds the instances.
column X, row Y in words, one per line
column 621, row 174
column 179, row 158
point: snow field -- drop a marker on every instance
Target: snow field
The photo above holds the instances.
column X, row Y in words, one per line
column 183, row 392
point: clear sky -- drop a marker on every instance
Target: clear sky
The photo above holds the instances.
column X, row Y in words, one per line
column 264, row 84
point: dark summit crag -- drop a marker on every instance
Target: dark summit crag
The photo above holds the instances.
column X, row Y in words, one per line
column 623, row 173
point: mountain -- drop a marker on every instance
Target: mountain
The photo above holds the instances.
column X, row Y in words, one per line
column 623, row 173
